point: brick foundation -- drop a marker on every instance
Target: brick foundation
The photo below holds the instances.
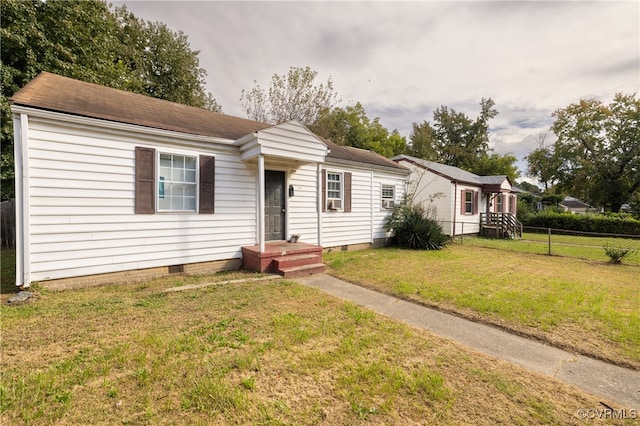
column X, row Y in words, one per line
column 137, row 275
column 377, row 243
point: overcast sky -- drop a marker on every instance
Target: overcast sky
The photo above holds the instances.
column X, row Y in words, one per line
column 402, row 60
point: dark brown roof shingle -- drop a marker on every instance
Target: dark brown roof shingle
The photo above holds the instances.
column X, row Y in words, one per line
column 56, row 93
column 53, row 92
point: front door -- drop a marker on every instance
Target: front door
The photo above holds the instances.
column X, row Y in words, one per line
column 274, row 206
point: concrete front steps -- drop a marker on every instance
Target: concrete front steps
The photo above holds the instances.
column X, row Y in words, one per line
column 294, row 266
column 291, row 260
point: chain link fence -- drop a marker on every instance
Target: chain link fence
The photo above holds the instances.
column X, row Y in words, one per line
column 556, row 242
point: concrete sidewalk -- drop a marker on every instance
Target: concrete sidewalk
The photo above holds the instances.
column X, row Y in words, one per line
column 616, row 384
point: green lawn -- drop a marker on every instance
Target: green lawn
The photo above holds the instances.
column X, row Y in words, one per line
column 259, row 353
column 588, row 307
column 590, row 248
column 8, row 271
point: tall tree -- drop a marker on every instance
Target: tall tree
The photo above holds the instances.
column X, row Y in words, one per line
column 86, row 40
column 461, row 141
column 543, row 164
column 457, row 140
column 423, row 143
column 294, row 96
column 497, row 164
column 350, row 126
column 598, row 148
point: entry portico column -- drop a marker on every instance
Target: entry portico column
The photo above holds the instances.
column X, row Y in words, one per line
column 261, row 196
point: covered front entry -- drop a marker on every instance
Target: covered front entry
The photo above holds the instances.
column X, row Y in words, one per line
column 275, row 207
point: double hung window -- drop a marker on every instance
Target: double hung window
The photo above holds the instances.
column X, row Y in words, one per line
column 177, row 183
column 334, row 190
column 388, row 193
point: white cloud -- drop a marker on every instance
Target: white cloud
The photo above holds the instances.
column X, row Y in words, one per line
column 403, row 60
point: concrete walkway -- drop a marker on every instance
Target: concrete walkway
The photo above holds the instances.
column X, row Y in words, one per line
column 616, row 384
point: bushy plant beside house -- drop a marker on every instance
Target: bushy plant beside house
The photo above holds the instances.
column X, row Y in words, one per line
column 413, row 228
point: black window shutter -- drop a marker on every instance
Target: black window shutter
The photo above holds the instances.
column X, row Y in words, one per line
column 347, row 192
column 207, row 184
column 145, row 176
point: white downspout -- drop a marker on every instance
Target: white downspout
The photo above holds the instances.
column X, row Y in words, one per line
column 319, row 200
column 371, row 229
column 261, row 224
column 21, row 155
column 455, row 206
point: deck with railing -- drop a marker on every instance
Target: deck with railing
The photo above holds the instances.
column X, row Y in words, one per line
column 500, row 225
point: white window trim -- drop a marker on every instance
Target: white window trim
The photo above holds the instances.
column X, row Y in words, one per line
column 392, row 199
column 329, row 201
column 466, row 203
column 192, row 154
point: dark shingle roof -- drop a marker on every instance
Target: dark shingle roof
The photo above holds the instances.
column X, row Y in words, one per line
column 53, row 92
column 56, row 93
column 574, row 203
column 347, row 153
column 455, row 173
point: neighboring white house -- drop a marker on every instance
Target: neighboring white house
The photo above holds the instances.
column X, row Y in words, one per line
column 573, row 205
column 462, row 201
column 112, row 185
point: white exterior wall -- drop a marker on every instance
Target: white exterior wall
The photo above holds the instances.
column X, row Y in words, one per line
column 80, row 193
column 302, row 207
column 365, row 222
column 432, row 191
column 465, row 223
column 81, row 197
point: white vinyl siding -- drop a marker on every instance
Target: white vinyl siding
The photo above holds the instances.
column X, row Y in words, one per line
column 365, row 222
column 82, row 217
column 302, row 208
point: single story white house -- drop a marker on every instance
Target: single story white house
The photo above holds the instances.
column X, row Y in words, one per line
column 463, row 202
column 113, row 186
column 574, row 205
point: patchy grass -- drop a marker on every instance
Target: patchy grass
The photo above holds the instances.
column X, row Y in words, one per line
column 264, row 353
column 584, row 306
column 581, row 247
column 8, row 271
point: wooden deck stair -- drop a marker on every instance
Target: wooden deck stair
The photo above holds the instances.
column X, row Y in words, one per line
column 500, row 225
column 290, row 260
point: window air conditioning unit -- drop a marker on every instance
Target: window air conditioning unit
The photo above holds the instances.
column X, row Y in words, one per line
column 387, row 204
column 335, row 204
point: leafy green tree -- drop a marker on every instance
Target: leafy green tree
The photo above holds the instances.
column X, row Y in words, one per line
column 86, row 40
column 529, row 187
column 350, row 126
column 423, row 143
column 598, row 149
column 543, row 164
column 460, row 140
column 457, row 140
column 294, row 96
column 497, row 164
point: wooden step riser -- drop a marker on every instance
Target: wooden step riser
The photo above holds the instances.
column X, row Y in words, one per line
column 302, row 271
column 295, row 261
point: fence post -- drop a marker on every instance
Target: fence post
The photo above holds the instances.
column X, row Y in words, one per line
column 549, row 233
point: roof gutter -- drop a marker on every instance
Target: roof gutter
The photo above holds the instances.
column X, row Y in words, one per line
column 116, row 125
